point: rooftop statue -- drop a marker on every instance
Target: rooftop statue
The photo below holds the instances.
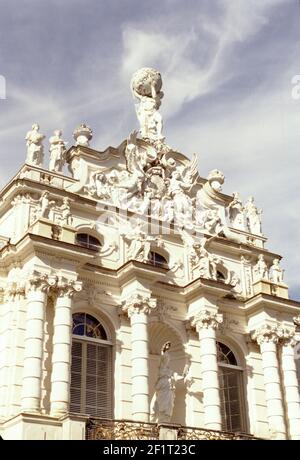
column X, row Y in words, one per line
column 57, row 151
column 146, row 86
column 35, row 148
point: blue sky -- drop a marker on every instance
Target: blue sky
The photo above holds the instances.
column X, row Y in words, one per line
column 227, row 67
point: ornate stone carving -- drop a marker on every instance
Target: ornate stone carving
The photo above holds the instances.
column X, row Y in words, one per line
column 35, row 149
column 206, row 319
column 201, row 261
column 277, row 272
column 260, row 269
column 82, row 135
column 138, row 303
column 139, row 242
column 57, row 151
column 236, row 212
column 66, row 215
column 288, row 337
column 67, row 287
column 296, row 320
column 44, row 205
column 38, row 281
column 146, row 86
column 253, row 217
column 216, row 179
column 267, row 333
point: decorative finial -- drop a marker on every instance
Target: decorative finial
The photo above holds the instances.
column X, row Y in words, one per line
column 82, row 135
column 146, row 84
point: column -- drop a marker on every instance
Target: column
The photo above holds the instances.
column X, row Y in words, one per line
column 138, row 307
column 62, row 343
column 206, row 324
column 267, row 338
column 290, row 383
column 38, row 287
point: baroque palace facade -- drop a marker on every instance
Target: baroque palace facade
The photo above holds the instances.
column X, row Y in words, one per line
column 137, row 300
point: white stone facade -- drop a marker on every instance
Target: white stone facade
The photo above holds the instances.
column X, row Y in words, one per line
column 141, row 251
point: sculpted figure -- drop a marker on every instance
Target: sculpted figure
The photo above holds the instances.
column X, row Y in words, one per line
column 66, row 215
column 261, row 269
column 253, row 216
column 44, row 205
column 277, row 272
column 212, row 221
column 146, row 86
column 139, row 243
column 236, row 212
column 57, row 151
column 181, row 182
column 162, row 404
column 35, row 148
column 202, row 260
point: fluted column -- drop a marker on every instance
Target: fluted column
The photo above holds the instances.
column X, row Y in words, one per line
column 206, row 324
column 62, row 342
column 267, row 338
column 290, row 383
column 37, row 288
column 138, row 307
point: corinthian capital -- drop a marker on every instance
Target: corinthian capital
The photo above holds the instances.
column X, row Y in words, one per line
column 206, row 319
column 67, row 287
column 139, row 303
column 37, row 281
column 267, row 333
column 288, row 337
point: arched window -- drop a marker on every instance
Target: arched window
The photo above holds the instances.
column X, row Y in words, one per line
column 231, row 390
column 88, row 241
column 91, row 368
column 157, row 259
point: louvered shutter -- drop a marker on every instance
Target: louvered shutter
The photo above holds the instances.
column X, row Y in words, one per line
column 76, row 377
column 91, row 381
column 98, row 393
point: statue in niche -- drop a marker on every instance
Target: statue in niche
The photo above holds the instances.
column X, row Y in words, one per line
column 236, row 212
column 146, row 86
column 162, row 404
column 35, row 148
column 57, row 151
column 261, row 269
column 253, row 216
column 277, row 272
